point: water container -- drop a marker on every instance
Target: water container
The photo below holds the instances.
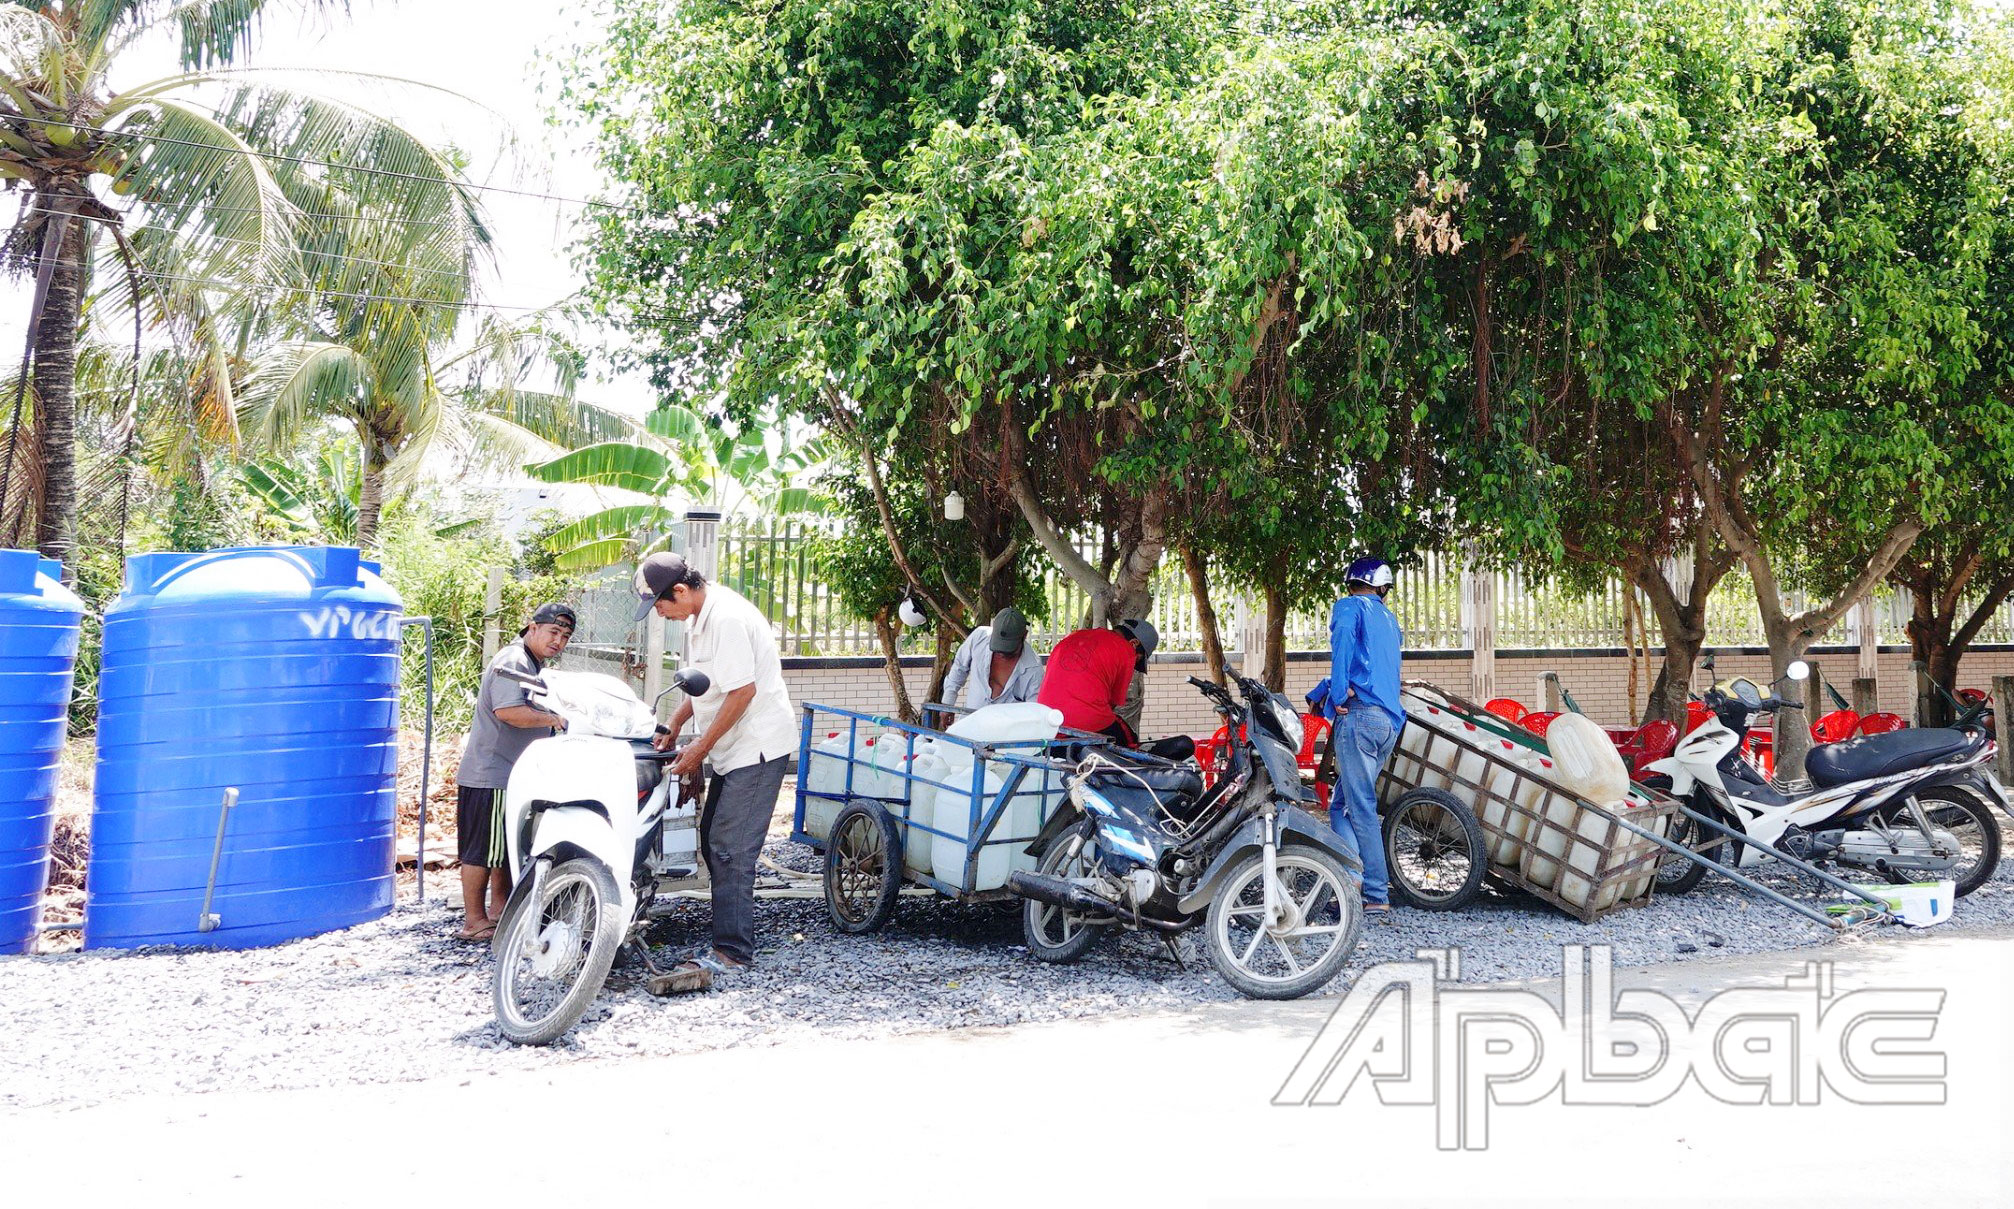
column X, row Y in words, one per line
column 826, row 774
column 921, row 809
column 274, row 670
column 38, row 648
column 951, row 815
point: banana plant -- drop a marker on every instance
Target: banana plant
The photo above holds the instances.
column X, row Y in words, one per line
column 682, row 458
column 318, row 504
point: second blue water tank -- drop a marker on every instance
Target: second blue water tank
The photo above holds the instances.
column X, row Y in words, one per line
column 274, row 670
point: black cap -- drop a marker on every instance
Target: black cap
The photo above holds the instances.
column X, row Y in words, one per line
column 657, row 575
column 551, row 613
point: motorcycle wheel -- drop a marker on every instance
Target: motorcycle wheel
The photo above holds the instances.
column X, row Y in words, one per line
column 1329, row 916
column 1965, row 817
column 1054, row 934
column 557, row 952
column 1434, row 851
column 1676, row 874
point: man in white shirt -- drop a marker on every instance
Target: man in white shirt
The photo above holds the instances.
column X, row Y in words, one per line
column 747, row 734
column 995, row 664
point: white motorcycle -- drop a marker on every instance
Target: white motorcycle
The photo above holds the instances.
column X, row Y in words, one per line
column 1910, row 805
column 592, row 823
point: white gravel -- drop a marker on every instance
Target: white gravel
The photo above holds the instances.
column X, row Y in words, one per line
column 398, row 999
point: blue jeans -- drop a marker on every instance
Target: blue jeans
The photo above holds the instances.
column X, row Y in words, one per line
column 1364, row 738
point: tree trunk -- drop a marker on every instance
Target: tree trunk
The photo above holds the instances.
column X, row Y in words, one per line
column 891, row 659
column 1276, row 639
column 1930, row 649
column 56, row 393
column 1683, row 623
column 1788, row 643
column 370, row 493
column 940, row 666
column 1206, row 613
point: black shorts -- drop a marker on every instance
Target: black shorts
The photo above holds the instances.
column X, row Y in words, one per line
column 479, row 827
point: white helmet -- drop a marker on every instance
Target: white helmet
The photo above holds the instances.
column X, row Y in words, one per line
column 1373, row 571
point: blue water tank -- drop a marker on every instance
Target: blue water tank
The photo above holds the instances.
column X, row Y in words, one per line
column 38, row 650
column 274, row 670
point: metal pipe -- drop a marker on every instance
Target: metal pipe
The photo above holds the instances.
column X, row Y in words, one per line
column 426, row 752
column 206, row 922
column 1804, row 909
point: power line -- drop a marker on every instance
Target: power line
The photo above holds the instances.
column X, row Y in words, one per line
column 305, row 160
column 313, row 253
column 223, row 284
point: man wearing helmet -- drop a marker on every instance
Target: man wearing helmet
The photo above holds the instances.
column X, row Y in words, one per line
column 1364, row 643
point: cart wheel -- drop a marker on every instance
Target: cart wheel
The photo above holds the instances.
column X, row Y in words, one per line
column 863, row 869
column 1434, row 851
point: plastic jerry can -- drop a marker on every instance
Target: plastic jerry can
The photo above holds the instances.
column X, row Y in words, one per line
column 951, row 814
column 921, row 811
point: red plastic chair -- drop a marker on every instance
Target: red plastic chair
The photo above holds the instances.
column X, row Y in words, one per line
column 1972, row 696
column 1696, row 715
column 1835, row 727
column 1881, row 724
column 1507, row 708
column 1761, row 748
column 1538, row 723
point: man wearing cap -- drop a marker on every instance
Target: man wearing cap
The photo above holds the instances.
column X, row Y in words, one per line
column 747, row 734
column 995, row 664
column 1091, row 672
column 504, row 724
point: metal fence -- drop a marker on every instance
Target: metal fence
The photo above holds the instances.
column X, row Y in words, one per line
column 773, row 562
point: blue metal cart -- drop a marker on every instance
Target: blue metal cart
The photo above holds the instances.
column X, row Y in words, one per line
column 891, row 803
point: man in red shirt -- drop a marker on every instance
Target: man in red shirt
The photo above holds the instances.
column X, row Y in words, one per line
column 1090, row 672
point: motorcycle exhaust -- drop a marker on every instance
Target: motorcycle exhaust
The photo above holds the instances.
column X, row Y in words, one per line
column 1070, row 896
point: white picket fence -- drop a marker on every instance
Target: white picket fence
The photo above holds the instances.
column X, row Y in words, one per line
column 771, row 562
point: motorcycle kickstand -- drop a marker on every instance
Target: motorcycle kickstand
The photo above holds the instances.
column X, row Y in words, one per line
column 1168, row 939
column 643, row 951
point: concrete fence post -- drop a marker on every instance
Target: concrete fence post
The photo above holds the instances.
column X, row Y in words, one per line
column 1479, row 630
column 1866, row 695
column 492, row 624
column 1548, row 693
column 2003, row 709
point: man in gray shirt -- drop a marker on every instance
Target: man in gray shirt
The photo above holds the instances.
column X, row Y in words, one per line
column 995, row 664
column 505, row 723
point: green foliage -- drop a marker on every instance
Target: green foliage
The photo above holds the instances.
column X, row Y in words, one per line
column 445, row 578
column 751, row 466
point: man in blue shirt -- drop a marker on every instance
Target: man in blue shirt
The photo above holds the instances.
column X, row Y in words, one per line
column 1364, row 643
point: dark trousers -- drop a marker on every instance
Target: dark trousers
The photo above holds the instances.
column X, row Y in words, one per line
column 739, row 805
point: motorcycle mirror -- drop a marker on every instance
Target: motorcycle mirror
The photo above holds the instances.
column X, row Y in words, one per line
column 1798, row 670
column 690, row 681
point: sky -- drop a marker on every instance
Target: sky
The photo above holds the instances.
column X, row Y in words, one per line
column 485, row 50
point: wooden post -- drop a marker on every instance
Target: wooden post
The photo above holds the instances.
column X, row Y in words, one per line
column 1866, row 696
column 1548, row 693
column 2003, row 709
column 492, row 624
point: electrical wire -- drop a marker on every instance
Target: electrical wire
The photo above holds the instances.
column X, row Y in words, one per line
column 319, row 163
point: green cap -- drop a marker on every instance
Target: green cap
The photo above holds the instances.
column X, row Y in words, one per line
column 1010, row 632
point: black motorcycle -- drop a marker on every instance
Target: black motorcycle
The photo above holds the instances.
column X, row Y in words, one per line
column 1144, row 845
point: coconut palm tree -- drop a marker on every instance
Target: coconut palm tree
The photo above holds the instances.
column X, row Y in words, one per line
column 195, row 183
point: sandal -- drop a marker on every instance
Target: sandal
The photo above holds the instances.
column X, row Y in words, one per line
column 486, row 932
column 687, row 976
column 1381, row 912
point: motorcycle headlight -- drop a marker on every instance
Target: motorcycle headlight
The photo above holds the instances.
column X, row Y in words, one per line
column 1288, row 722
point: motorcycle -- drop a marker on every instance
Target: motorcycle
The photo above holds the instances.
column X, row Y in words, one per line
column 587, row 813
column 1144, row 845
column 1906, row 806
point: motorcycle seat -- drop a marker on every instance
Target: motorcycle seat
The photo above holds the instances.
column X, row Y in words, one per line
column 1163, row 783
column 1883, row 755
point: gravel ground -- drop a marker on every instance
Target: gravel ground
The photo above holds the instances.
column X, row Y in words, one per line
column 398, row 999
